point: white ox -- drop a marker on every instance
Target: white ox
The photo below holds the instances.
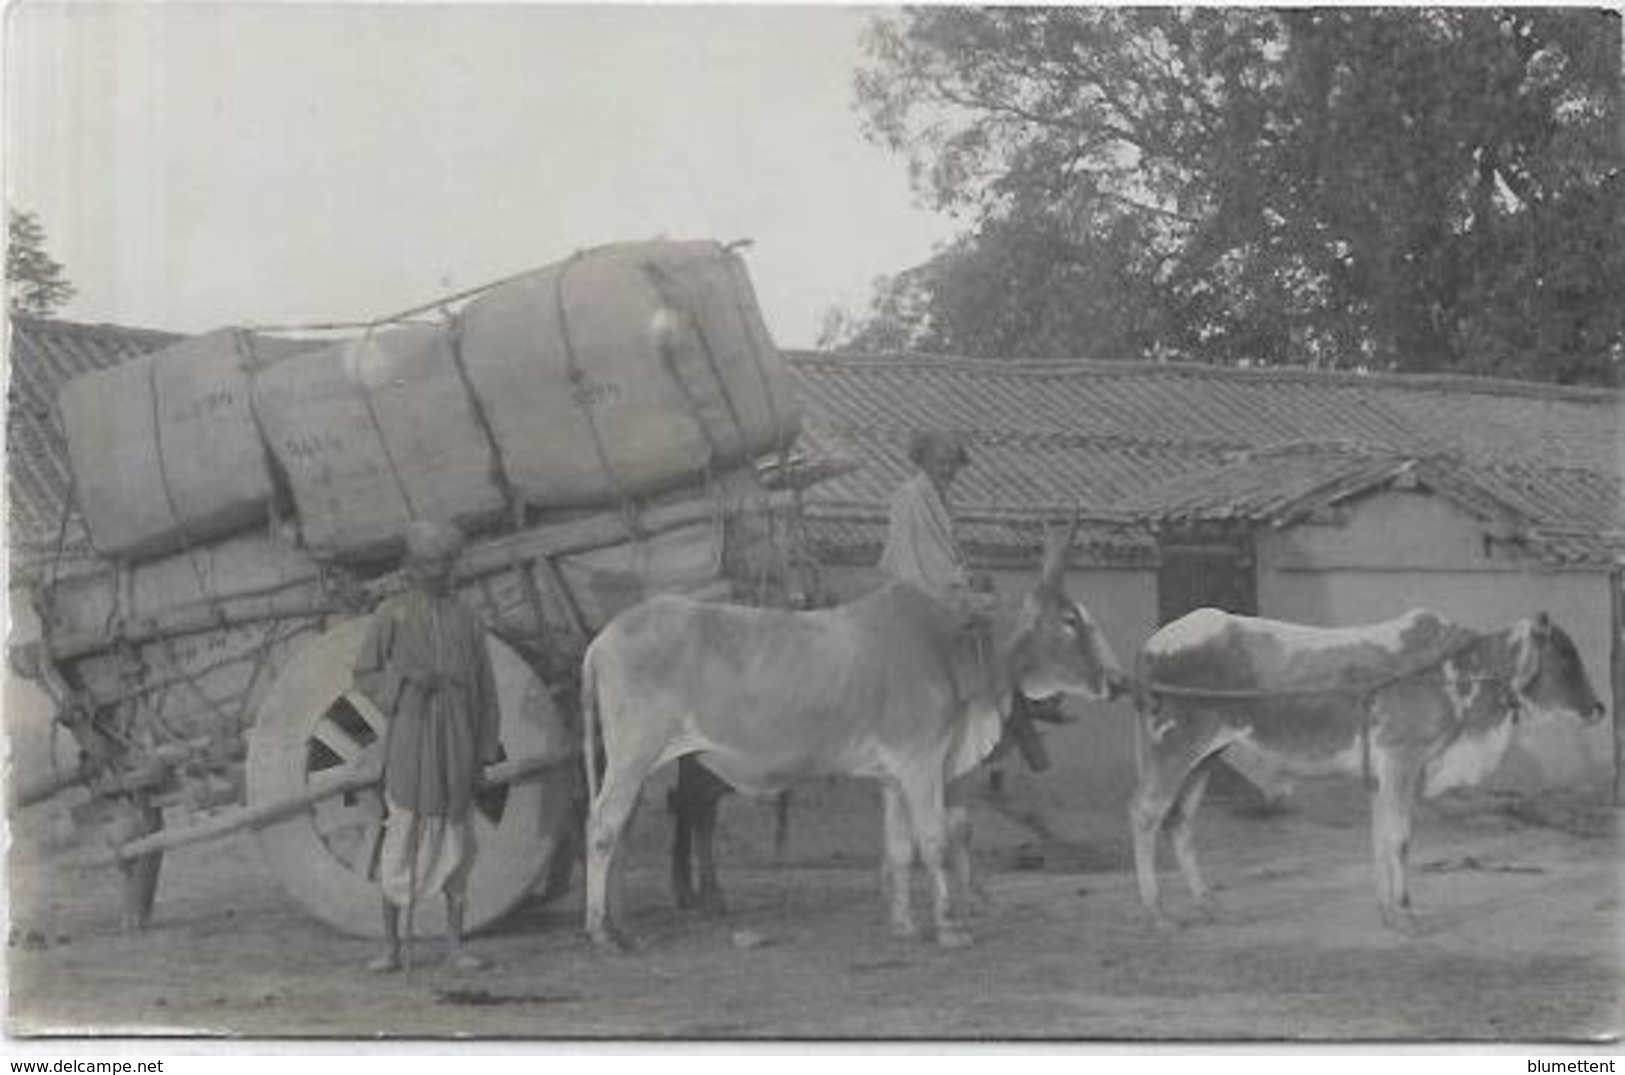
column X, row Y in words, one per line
column 872, row 688
column 1416, row 705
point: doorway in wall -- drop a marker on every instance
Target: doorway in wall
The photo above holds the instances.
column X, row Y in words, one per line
column 1206, row 568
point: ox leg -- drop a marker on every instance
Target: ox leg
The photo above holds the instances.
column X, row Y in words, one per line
column 1146, row 812
column 705, row 862
column 1391, row 809
column 617, row 798
column 894, row 873
column 694, row 803
column 682, row 836
column 1178, row 825
column 968, row 892
column 929, row 815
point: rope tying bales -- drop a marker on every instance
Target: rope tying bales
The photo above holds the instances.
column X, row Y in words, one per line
column 482, row 418
column 372, row 417
column 582, row 399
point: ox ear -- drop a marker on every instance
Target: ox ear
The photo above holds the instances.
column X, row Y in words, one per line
column 1542, row 626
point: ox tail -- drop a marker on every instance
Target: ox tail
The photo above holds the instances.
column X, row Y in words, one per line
column 1144, row 704
column 589, row 725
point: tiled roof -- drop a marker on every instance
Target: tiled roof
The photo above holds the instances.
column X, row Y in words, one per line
column 1150, row 442
column 1564, row 514
column 1276, row 488
column 44, row 355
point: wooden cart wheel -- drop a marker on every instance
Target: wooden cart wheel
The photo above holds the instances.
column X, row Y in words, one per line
column 313, row 720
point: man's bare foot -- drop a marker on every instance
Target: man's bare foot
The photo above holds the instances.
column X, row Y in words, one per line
column 463, row 960
column 388, row 963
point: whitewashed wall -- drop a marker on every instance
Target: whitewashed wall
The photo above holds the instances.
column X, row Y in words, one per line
column 1395, row 551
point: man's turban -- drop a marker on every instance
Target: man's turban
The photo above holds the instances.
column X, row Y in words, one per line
column 937, row 444
column 431, row 540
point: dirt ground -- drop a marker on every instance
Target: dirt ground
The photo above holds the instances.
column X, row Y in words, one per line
column 1521, row 940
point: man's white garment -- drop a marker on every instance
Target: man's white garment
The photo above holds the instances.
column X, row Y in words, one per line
column 921, row 549
column 920, row 544
column 445, row 854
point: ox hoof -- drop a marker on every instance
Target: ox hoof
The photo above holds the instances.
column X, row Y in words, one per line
column 388, row 963
column 904, row 930
column 711, row 904
column 1210, row 910
column 613, row 940
column 953, row 937
column 135, row 920
column 1403, row 921
column 976, row 903
column 1163, row 924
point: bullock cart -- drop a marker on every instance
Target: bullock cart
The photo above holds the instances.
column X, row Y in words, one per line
column 201, row 659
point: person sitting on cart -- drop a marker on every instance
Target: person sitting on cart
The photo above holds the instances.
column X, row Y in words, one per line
column 424, row 664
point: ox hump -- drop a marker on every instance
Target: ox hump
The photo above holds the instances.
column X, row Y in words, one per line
column 1190, row 632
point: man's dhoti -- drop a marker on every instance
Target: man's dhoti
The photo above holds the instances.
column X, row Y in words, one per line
column 423, row 855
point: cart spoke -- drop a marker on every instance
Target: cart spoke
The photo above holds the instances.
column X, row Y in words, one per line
column 337, row 739
column 489, row 804
column 368, row 712
column 350, row 846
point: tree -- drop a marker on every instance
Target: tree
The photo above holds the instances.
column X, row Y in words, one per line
column 1400, row 188
column 35, row 284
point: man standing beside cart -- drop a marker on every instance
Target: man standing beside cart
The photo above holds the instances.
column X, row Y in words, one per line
column 922, row 549
column 424, row 664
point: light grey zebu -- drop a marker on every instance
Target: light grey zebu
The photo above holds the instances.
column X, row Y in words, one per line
column 874, row 688
column 1417, row 705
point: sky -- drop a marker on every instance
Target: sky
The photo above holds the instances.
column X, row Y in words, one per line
column 198, row 165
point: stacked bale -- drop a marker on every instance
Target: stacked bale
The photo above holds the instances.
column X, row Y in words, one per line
column 164, row 448
column 233, row 579
column 374, row 432
column 626, row 370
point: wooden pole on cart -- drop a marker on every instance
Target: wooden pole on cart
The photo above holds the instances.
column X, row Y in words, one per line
column 357, row 777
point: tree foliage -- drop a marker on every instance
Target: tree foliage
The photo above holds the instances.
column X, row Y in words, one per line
column 35, row 282
column 1396, row 188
